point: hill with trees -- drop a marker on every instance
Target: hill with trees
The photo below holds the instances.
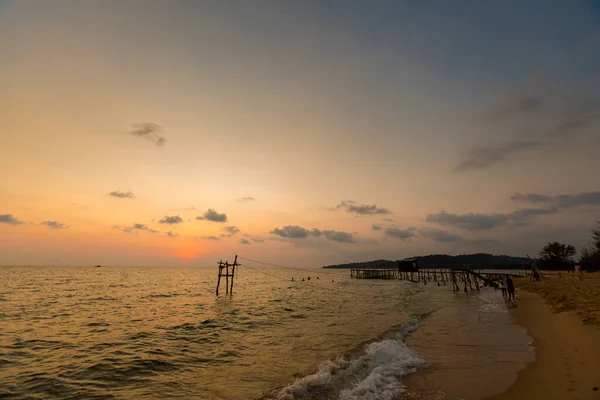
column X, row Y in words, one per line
column 479, row 261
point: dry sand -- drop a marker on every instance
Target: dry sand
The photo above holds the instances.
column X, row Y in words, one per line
column 566, row 335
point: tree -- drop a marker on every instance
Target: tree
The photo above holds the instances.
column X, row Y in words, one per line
column 596, row 236
column 590, row 254
column 558, row 252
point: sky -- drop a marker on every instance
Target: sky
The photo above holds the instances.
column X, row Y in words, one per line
column 168, row 133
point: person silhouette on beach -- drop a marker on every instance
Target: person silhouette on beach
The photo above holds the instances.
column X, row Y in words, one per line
column 510, row 288
column 502, row 287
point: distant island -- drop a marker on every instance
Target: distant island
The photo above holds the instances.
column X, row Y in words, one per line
column 478, row 261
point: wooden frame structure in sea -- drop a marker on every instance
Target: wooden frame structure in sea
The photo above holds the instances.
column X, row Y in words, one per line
column 409, row 270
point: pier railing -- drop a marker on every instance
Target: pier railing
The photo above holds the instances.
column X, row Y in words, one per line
column 467, row 278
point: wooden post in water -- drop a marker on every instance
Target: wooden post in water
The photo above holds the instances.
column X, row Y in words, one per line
column 233, row 273
column 219, row 280
column 225, row 266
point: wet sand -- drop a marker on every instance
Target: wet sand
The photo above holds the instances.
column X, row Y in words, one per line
column 472, row 348
column 560, row 317
column 567, row 343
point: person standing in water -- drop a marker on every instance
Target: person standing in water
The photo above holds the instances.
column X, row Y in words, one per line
column 510, row 288
column 502, row 287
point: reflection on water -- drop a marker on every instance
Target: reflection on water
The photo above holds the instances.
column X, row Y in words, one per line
column 158, row 332
column 161, row 332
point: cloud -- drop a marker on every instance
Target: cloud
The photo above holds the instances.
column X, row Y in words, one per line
column 485, row 157
column 209, row 237
column 9, row 219
column 212, row 215
column 171, row 234
column 122, row 195
column 257, row 240
column 338, row 236
column 142, row 227
column 149, row 131
column 171, row 220
column 362, row 209
column 376, row 227
column 244, row 241
column 291, row 232
column 134, row 228
column 397, row 233
column 54, row 225
column 577, row 115
column 440, row 236
column 388, row 220
column 473, row 222
column 247, row 199
column 314, row 232
column 480, row 222
column 565, row 116
column 560, row 201
column 517, row 105
column 231, row 230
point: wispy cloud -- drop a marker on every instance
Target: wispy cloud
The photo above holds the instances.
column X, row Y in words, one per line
column 245, row 199
column 149, row 131
column 142, row 227
column 338, row 236
column 257, row 240
column 295, row 232
column 376, row 227
column 171, row 220
column 438, row 235
column 560, row 201
column 209, row 237
column 9, row 219
column 231, row 230
column 212, row 215
column 171, row 235
column 397, row 233
column 54, row 225
column 565, row 116
column 484, row 157
column 134, row 228
column 122, row 195
column 362, row 209
column 480, row 222
column 244, row 241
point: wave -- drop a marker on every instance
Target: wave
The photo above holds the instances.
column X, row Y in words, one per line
column 372, row 374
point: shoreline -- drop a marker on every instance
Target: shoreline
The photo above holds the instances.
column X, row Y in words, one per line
column 557, row 317
column 567, row 362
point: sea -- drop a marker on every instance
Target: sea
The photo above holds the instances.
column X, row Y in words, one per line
column 162, row 333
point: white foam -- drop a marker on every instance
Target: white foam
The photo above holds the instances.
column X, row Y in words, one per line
column 383, row 363
column 372, row 375
column 322, row 377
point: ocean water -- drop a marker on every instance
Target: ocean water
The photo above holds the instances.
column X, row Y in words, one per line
column 155, row 333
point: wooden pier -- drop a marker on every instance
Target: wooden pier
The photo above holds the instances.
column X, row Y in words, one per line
column 462, row 279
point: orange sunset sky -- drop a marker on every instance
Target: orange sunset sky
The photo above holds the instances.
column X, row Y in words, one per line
column 302, row 133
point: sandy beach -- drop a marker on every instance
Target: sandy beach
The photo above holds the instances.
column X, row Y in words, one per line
column 561, row 315
column 545, row 347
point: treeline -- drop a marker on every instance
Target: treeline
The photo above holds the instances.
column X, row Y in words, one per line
column 479, row 261
column 556, row 255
